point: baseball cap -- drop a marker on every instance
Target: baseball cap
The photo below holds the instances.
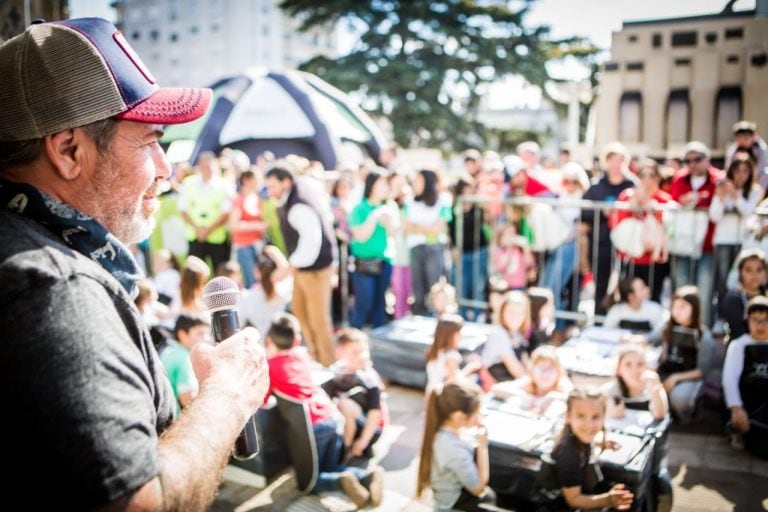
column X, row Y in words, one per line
column 758, row 303
column 513, row 164
column 744, row 127
column 696, row 147
column 60, row 75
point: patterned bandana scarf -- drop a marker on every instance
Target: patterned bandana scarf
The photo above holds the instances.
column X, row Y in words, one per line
column 76, row 229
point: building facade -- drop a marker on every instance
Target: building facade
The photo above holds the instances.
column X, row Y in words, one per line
column 670, row 81
column 196, row 42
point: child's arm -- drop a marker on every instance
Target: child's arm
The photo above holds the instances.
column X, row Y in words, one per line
column 372, row 419
column 513, row 365
column 618, row 497
column 659, row 404
column 482, row 461
column 676, row 378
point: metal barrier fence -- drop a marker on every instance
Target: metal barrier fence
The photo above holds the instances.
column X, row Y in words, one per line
column 561, row 267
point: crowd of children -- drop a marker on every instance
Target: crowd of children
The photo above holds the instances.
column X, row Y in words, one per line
column 394, row 229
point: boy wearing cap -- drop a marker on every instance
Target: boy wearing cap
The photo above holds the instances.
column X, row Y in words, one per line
column 745, row 381
column 745, row 139
column 90, row 409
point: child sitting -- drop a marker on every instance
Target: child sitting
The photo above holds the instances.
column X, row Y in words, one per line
column 544, row 388
column 271, row 293
column 575, row 474
column 457, row 473
column 505, row 354
column 632, row 309
column 638, row 388
column 542, row 315
column 442, row 298
column 443, row 357
column 290, row 373
column 359, row 393
column 635, row 386
column 512, row 257
column 688, row 350
column 190, row 329
column 745, row 380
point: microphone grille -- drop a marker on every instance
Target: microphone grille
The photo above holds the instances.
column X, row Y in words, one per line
column 221, row 293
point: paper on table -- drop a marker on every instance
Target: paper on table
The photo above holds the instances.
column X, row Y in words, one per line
column 633, row 422
column 515, row 429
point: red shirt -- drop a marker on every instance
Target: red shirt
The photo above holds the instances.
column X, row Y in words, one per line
column 681, row 185
column 249, row 207
column 660, row 197
column 533, row 188
column 290, row 373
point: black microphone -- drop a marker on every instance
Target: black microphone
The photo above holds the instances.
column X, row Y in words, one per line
column 222, row 297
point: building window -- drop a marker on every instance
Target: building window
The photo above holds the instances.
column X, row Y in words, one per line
column 194, row 29
column 611, row 66
column 759, row 60
column 635, row 66
column 656, row 40
column 732, row 59
column 682, row 62
column 632, row 38
column 711, row 37
column 135, row 35
column 154, row 34
column 174, row 37
column 678, row 117
column 215, row 27
column 734, row 33
column 684, row 38
column 728, row 112
column 631, row 117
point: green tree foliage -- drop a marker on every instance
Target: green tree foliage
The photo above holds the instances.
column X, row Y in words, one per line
column 425, row 65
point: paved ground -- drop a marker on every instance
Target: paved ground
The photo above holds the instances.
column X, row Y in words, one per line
column 707, row 474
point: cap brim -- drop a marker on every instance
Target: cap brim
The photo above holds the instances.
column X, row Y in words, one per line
column 170, row 106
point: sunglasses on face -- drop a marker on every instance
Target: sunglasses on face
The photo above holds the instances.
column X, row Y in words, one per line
column 694, row 160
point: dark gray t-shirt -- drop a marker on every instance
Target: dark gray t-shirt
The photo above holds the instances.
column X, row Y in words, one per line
column 83, row 390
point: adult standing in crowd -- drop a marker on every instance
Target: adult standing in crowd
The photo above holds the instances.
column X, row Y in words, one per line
column 426, row 228
column 204, row 201
column 694, row 188
column 646, row 200
column 248, row 226
column 746, row 139
column 311, row 248
column 606, row 190
column 80, row 168
column 733, row 204
column 370, row 222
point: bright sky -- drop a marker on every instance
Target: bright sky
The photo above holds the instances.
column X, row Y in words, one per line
column 594, row 19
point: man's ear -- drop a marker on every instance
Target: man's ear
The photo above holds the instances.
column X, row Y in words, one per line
column 68, row 151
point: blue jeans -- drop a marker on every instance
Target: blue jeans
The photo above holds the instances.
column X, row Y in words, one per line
column 246, row 257
column 558, row 268
column 686, row 270
column 330, row 448
column 474, row 276
column 370, row 292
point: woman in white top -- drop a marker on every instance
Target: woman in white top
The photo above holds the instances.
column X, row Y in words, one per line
column 634, row 311
column 426, row 227
column 735, row 200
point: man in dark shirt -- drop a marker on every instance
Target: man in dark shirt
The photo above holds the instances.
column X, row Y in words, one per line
column 89, row 409
column 606, row 189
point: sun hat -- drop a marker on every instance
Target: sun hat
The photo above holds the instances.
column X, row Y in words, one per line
column 60, row 75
